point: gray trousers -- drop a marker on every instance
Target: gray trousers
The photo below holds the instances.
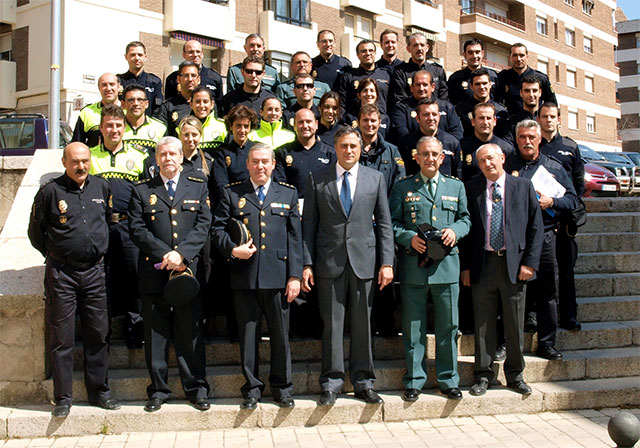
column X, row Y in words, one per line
column 495, row 286
column 335, row 296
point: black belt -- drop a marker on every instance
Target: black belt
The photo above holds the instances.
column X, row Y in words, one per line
column 497, row 253
column 74, row 263
column 117, row 217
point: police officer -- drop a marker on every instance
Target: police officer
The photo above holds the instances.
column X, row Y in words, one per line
column 389, row 45
column 176, row 107
column 209, row 78
column 122, row 164
column 304, row 89
column 507, row 91
column 271, row 131
column 300, row 63
column 140, row 129
column 459, row 83
column 250, row 93
column 328, row 66
column 266, row 270
column 567, row 152
column 431, row 198
column 530, row 93
column 87, row 127
column 169, row 220
column 136, row 56
column 307, row 154
column 253, row 46
column 418, row 47
column 69, row 226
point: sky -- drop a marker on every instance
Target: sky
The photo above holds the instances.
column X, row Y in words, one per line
column 631, row 8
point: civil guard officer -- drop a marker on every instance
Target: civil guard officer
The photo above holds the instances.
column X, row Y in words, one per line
column 69, row 226
column 169, row 220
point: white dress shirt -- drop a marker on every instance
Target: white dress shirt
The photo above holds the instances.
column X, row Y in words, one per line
column 353, row 178
column 266, row 187
column 175, row 181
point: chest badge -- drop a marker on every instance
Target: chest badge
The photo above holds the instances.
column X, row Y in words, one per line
column 289, row 159
column 63, row 219
column 414, row 151
column 174, row 116
column 413, row 114
column 153, row 199
column 515, row 173
column 62, row 206
column 468, row 159
column 242, row 202
column 356, row 83
column 314, row 73
column 465, row 84
column 130, row 164
column 227, row 160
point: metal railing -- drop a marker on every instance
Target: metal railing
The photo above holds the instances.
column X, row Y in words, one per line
column 491, row 15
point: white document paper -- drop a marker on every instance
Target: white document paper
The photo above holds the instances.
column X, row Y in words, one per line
column 544, row 183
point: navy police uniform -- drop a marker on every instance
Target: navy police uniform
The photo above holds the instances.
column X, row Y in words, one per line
column 459, row 84
column 209, row 78
column 403, row 75
column 294, row 163
column 160, row 224
column 507, row 91
column 240, row 97
column 329, row 70
column 465, row 111
column 349, row 82
column 451, row 165
column 403, row 119
column 69, row 226
column 468, row 147
column 172, row 112
column 152, row 88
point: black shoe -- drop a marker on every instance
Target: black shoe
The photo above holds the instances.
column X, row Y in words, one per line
column 61, row 410
column 369, row 396
column 327, row 398
column 153, row 404
column 249, row 403
column 110, row 404
column 501, row 354
column 571, row 325
column 530, row 325
column 480, row 388
column 286, row 402
column 453, row 393
column 411, row 395
column 201, row 404
column 549, row 352
column 520, row 386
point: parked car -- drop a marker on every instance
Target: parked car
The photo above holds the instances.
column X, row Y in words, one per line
column 635, row 158
column 599, row 182
column 634, row 170
column 22, row 134
column 622, row 173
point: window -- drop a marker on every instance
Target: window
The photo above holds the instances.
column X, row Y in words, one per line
column 541, row 25
column 467, row 5
column 358, row 26
column 569, row 2
column 570, row 37
column 281, row 62
column 591, row 124
column 571, row 77
column 588, row 83
column 587, row 6
column 543, row 67
column 588, row 45
column 572, row 119
column 295, row 12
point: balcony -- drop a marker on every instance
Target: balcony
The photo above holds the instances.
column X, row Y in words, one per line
column 375, row 6
column 287, row 38
column 423, row 14
column 194, row 17
column 8, row 11
column 483, row 23
column 7, row 85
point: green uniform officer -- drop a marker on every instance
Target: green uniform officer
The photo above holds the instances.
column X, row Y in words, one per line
column 429, row 197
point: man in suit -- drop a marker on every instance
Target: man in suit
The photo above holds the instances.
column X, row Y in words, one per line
column 266, row 270
column 340, row 243
column 169, row 219
column 438, row 200
column 499, row 256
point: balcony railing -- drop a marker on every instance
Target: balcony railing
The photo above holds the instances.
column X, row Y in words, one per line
column 494, row 65
column 491, row 15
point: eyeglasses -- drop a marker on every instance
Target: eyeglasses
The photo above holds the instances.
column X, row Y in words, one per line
column 135, row 100
column 250, row 71
column 305, row 86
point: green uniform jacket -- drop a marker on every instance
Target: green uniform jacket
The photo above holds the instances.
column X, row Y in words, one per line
column 411, row 205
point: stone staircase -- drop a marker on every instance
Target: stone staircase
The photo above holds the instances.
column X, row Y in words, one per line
column 601, row 365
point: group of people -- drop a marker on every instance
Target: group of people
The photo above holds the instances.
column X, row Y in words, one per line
column 304, row 201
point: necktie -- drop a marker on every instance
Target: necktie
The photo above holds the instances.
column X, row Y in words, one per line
column 496, row 236
column 345, row 193
column 170, row 189
column 261, row 193
column 432, row 188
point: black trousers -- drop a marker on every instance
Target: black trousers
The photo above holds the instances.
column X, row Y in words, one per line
column 183, row 325
column 250, row 305
column 567, row 255
column 68, row 290
column 542, row 293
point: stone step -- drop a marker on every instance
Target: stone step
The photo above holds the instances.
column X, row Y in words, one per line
column 608, row 242
column 607, row 262
column 612, row 222
column 608, row 285
column 36, row 421
column 225, row 381
column 622, row 204
column 603, row 309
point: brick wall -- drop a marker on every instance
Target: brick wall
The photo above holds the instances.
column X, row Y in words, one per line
column 20, row 46
column 157, row 52
column 152, row 5
column 247, row 15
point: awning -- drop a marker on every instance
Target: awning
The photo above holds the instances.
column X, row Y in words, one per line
column 208, row 41
column 429, row 35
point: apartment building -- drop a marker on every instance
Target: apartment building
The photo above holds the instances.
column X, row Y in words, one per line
column 572, row 41
column 628, row 59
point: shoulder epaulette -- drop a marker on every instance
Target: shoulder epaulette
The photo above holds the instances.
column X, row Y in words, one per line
column 286, row 185
column 434, row 63
column 195, row 179
column 232, row 184
column 448, row 176
column 138, row 147
column 152, row 76
column 142, row 181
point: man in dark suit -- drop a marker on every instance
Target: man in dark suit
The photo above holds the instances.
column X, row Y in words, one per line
column 500, row 254
column 169, row 219
column 266, row 270
column 340, row 240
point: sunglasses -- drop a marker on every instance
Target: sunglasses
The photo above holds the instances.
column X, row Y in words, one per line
column 249, row 71
column 305, row 86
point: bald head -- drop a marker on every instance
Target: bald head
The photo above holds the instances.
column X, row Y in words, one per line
column 109, row 86
column 76, row 159
column 490, row 161
column 192, row 52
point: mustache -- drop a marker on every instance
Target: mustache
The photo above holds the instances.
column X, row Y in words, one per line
column 81, row 171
